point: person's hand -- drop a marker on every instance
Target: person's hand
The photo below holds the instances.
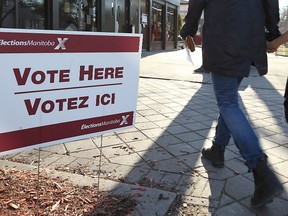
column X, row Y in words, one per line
column 189, row 43
column 271, row 47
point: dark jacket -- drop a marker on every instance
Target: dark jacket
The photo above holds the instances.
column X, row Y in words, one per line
column 233, row 35
column 286, row 101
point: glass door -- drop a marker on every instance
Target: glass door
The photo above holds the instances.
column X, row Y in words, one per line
column 171, row 30
column 157, row 26
column 115, row 14
column 76, row 15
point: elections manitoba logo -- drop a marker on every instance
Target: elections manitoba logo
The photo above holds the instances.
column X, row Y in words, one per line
column 116, row 121
column 60, row 44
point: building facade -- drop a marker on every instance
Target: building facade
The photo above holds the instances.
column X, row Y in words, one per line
column 157, row 20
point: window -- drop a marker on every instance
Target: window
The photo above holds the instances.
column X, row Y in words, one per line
column 7, row 14
column 31, row 14
column 170, row 28
column 157, row 21
column 77, row 15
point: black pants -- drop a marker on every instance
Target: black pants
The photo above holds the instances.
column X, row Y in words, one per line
column 286, row 101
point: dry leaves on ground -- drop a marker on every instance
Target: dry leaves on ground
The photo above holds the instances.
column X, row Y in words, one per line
column 20, row 194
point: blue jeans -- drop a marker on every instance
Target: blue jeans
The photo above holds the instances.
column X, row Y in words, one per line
column 233, row 122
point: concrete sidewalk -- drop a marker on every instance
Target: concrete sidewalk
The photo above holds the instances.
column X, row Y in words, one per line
column 176, row 115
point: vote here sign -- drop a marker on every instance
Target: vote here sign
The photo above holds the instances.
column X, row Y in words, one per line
column 59, row 86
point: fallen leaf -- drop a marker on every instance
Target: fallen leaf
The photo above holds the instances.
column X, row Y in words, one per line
column 55, row 206
column 14, row 206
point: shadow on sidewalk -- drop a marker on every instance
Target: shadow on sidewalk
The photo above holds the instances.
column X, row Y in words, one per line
column 174, row 159
column 170, row 158
column 175, row 120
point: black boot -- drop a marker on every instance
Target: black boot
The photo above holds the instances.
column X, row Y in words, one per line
column 267, row 185
column 286, row 108
column 215, row 154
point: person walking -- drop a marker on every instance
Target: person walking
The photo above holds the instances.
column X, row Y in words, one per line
column 272, row 47
column 234, row 38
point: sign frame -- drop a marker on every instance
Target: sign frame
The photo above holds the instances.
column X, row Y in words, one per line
column 61, row 86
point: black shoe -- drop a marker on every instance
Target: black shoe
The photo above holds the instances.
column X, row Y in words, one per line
column 215, row 154
column 267, row 185
column 200, row 70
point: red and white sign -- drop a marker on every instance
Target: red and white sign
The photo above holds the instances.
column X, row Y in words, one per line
column 59, row 86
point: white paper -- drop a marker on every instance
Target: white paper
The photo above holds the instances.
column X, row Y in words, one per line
column 189, row 58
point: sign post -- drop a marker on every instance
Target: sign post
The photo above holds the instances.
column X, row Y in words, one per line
column 59, row 86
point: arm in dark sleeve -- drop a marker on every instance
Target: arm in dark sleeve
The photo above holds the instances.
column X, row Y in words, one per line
column 271, row 8
column 192, row 18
